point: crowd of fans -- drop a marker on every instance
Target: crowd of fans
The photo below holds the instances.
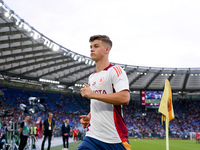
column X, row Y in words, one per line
column 62, row 105
column 141, row 122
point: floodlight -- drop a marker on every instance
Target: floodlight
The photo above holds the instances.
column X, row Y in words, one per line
column 56, row 47
column 6, row 14
column 35, row 37
column 86, row 61
column 93, row 63
column 72, row 55
column 75, row 57
column 80, row 59
column 1, row 2
column 90, row 62
column 27, row 28
column 31, row 33
column 17, row 22
column 49, row 81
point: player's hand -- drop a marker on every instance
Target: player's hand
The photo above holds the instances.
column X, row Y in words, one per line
column 85, row 120
column 86, row 91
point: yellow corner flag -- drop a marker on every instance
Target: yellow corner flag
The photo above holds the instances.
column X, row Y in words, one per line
column 166, row 108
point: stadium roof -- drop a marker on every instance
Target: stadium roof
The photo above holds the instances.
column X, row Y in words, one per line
column 29, row 56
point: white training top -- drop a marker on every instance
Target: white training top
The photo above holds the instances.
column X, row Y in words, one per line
column 106, row 122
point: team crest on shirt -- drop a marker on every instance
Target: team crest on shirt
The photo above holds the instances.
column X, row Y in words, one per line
column 101, row 81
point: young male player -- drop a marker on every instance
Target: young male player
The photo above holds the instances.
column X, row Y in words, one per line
column 108, row 89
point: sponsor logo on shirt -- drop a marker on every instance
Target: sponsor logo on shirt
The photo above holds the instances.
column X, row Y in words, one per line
column 101, row 81
column 100, row 91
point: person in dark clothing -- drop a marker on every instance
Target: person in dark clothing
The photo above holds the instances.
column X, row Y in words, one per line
column 48, row 129
column 65, row 133
column 3, row 135
column 24, row 132
column 3, row 132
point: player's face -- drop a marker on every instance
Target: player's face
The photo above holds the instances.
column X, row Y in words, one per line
column 98, row 50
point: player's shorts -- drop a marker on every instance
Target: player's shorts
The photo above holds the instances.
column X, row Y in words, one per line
column 90, row 143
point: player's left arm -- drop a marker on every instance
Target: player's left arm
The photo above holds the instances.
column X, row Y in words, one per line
column 119, row 98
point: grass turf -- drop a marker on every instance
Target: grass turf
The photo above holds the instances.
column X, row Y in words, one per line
column 150, row 144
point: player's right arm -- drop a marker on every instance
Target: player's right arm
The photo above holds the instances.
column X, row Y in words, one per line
column 85, row 120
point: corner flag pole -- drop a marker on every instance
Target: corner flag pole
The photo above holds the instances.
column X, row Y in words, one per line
column 166, row 108
column 167, row 132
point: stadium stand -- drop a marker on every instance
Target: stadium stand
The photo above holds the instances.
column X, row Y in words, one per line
column 70, row 105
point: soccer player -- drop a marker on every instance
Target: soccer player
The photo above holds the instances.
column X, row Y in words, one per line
column 108, row 89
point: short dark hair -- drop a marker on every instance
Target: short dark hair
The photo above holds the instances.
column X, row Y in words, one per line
column 26, row 114
column 103, row 38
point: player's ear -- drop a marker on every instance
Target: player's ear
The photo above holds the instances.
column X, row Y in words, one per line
column 107, row 49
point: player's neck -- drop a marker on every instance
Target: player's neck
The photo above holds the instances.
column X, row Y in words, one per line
column 100, row 65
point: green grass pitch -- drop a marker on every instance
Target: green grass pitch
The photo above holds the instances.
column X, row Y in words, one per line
column 150, row 144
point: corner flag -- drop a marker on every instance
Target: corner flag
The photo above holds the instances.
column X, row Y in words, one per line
column 166, row 108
